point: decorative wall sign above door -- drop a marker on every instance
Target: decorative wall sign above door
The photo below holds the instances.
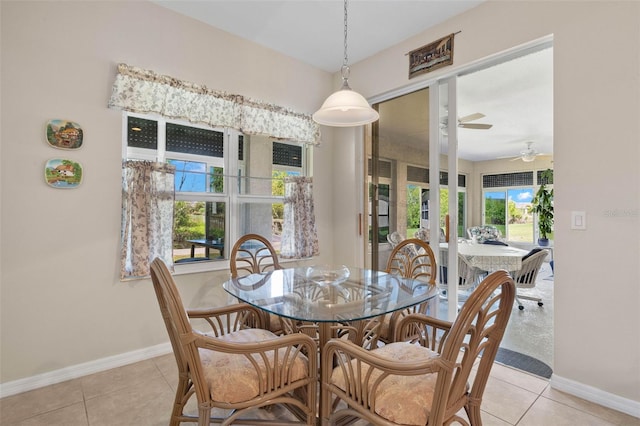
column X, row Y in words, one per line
column 431, row 56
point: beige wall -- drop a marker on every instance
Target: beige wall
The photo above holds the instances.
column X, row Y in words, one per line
column 596, row 162
column 62, row 303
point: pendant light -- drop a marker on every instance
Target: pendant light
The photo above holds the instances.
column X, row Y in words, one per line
column 345, row 108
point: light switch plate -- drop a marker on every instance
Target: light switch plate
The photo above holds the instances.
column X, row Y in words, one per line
column 578, row 220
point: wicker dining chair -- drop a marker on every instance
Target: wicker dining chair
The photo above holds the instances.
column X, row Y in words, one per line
column 468, row 275
column 233, row 368
column 254, row 254
column 411, row 258
column 394, row 238
column 426, row 379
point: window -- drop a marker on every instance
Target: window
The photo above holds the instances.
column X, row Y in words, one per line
column 507, row 204
column 227, row 184
column 418, row 200
column 385, row 199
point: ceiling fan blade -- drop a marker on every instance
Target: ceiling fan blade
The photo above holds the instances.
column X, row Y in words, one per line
column 475, row 126
column 470, row 117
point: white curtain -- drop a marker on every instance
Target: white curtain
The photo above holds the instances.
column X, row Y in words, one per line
column 299, row 235
column 144, row 91
column 147, row 216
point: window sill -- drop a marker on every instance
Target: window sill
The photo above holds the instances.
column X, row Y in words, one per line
column 221, row 266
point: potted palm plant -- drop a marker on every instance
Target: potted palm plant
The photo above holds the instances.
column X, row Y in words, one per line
column 542, row 205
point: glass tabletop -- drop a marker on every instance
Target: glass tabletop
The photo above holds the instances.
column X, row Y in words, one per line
column 362, row 294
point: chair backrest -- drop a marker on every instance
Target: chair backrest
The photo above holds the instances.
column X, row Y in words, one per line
column 252, row 254
column 468, row 273
column 478, row 330
column 394, row 238
column 526, row 276
column 178, row 326
column 423, row 234
column 531, row 253
column 413, row 258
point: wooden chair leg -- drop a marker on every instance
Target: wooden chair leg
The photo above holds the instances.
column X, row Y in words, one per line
column 179, row 402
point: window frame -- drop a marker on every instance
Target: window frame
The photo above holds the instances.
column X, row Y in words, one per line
column 533, row 187
column 234, row 173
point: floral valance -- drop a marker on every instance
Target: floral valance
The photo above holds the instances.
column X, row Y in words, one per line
column 143, row 91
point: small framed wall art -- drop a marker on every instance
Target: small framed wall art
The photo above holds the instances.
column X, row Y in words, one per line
column 64, row 134
column 63, row 173
column 431, row 56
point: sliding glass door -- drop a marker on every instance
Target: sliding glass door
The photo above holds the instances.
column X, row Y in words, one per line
column 411, row 158
column 397, row 173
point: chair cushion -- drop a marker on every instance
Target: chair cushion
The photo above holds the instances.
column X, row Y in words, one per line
column 484, row 233
column 232, row 378
column 531, row 253
column 400, row 399
column 274, row 324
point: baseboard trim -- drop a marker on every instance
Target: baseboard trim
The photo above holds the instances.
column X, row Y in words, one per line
column 596, row 395
column 76, row 371
column 580, row 390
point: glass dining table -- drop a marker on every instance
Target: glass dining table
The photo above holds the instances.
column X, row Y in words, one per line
column 360, row 296
column 352, row 303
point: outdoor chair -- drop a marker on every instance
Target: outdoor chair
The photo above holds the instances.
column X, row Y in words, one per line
column 428, row 378
column 233, row 369
column 525, row 277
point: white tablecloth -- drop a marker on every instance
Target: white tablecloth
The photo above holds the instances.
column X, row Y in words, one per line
column 490, row 257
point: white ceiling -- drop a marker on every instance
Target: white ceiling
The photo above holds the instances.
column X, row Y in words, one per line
column 313, row 30
column 516, row 96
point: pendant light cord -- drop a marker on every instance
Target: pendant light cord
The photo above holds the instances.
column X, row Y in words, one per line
column 345, row 63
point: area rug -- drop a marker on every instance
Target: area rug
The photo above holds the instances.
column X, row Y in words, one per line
column 523, row 362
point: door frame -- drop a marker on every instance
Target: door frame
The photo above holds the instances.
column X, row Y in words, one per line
column 450, row 78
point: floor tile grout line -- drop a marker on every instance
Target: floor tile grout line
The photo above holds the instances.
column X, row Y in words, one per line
column 528, row 409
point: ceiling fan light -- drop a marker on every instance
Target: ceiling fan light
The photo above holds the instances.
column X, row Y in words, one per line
column 345, row 108
column 528, row 158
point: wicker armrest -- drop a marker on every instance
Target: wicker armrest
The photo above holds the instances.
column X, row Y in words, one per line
column 343, row 352
column 357, row 376
column 419, row 328
column 297, row 340
column 227, row 319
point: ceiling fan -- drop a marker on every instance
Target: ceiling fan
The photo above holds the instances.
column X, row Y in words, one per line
column 465, row 122
column 528, row 154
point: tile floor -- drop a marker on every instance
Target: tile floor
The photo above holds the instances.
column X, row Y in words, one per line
column 141, row 394
column 530, row 331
